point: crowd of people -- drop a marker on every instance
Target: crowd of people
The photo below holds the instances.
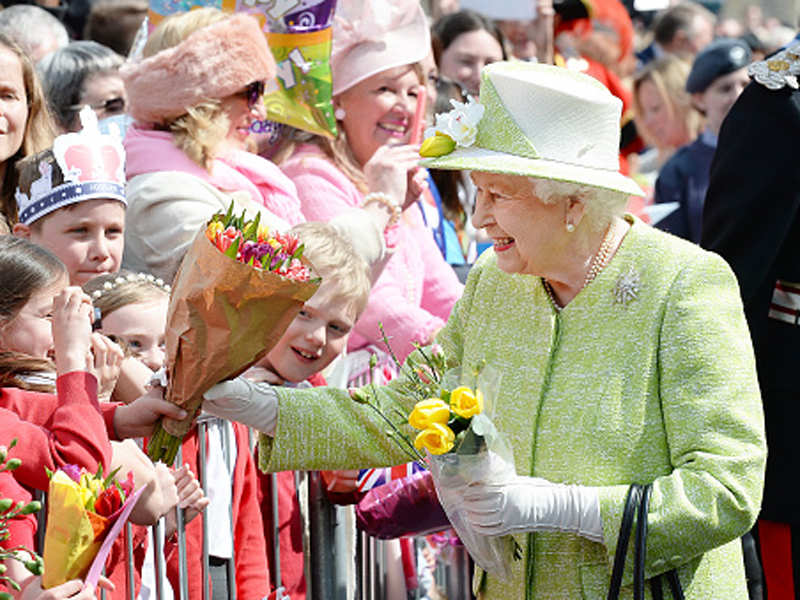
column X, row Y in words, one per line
column 544, row 241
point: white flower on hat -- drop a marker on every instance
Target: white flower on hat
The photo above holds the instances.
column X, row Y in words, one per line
column 460, row 125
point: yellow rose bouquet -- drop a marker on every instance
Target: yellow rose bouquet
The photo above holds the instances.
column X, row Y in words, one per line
column 456, row 440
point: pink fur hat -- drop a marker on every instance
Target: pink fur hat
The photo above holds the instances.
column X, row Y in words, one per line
column 211, row 63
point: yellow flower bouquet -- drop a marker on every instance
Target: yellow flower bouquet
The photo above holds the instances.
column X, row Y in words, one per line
column 456, row 440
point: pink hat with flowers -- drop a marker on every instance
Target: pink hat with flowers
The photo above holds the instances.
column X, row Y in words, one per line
column 370, row 36
column 211, row 63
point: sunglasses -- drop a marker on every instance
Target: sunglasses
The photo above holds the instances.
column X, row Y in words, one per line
column 253, row 93
column 112, row 105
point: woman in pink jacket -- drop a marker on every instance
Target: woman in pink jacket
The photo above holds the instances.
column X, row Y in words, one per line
column 376, row 79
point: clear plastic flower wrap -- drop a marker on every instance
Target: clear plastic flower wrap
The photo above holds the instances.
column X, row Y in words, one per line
column 479, row 453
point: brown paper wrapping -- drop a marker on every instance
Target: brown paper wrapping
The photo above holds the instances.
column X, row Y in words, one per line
column 223, row 317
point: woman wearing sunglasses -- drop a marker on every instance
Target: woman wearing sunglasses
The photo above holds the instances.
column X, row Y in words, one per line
column 194, row 97
column 82, row 74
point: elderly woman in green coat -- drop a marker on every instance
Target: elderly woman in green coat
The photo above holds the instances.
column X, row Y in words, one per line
column 624, row 354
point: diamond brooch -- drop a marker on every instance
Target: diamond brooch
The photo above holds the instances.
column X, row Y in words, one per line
column 627, row 288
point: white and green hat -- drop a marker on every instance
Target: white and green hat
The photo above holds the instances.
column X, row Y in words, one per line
column 533, row 120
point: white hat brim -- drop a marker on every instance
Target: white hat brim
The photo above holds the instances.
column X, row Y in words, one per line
column 480, row 159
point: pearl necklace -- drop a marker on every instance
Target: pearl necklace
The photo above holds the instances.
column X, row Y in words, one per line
column 599, row 261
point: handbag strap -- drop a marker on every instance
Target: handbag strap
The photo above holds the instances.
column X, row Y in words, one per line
column 637, row 503
column 629, row 512
column 640, row 545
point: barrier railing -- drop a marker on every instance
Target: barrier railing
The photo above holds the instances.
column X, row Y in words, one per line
column 339, row 568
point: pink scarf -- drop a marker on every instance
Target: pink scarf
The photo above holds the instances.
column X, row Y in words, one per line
column 148, row 151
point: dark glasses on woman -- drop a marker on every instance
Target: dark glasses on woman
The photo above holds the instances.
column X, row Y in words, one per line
column 253, row 93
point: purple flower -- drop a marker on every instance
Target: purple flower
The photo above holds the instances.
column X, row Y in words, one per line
column 73, row 472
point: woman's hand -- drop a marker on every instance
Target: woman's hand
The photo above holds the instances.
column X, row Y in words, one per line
column 393, row 170
column 532, row 504
column 190, row 497
column 72, row 330
column 108, row 358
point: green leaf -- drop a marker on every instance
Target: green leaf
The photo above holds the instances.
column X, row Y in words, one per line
column 12, row 444
column 233, row 249
column 299, row 251
column 228, row 215
column 6, row 504
column 13, row 464
column 31, row 507
column 252, row 231
column 110, row 477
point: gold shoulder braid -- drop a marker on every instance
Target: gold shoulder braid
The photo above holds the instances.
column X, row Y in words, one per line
column 779, row 70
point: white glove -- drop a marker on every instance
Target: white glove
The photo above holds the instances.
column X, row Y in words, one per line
column 254, row 404
column 533, row 504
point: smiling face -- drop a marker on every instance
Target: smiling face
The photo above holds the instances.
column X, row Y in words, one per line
column 718, row 98
column 466, row 55
column 13, row 104
column 379, row 110
column 30, row 331
column 527, row 234
column 141, row 326
column 317, row 335
column 88, row 237
column 240, row 115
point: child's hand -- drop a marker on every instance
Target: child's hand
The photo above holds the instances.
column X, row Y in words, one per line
column 73, row 589
column 138, row 418
column 72, row 330
column 190, row 497
column 258, row 374
column 279, row 594
column 108, row 358
column 340, row 482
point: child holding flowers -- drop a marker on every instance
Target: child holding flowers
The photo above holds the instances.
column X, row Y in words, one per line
column 134, row 312
column 42, row 317
column 314, row 339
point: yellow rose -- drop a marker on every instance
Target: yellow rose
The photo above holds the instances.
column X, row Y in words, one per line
column 427, row 412
column 437, row 145
column 466, row 403
column 437, row 438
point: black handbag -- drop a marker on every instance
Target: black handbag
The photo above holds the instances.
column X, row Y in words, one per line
column 637, row 503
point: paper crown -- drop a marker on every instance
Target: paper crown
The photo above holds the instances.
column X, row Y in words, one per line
column 92, row 166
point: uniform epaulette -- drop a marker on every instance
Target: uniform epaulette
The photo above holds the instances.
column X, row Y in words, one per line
column 779, row 70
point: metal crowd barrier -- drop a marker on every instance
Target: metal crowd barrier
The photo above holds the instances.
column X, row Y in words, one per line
column 334, row 573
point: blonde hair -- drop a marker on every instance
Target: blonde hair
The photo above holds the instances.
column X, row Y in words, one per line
column 337, row 150
column 668, row 74
column 113, row 291
column 334, row 259
column 602, row 205
column 204, row 127
column 39, row 128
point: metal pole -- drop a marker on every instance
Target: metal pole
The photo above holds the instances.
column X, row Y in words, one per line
column 227, row 443
column 129, row 556
column 202, row 428
column 276, row 542
column 321, row 529
column 158, row 556
column 180, row 523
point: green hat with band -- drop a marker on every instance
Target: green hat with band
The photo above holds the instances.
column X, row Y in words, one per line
column 537, row 121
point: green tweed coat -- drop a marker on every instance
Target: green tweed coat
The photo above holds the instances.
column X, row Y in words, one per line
column 657, row 386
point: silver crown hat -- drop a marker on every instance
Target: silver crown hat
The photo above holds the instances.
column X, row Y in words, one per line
column 540, row 121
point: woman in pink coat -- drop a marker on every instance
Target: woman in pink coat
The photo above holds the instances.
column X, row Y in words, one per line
column 376, row 79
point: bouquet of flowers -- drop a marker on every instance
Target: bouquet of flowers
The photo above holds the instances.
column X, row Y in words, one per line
column 8, row 512
column 84, row 512
column 239, row 287
column 452, row 417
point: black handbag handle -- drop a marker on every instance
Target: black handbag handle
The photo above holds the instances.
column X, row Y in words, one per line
column 637, row 503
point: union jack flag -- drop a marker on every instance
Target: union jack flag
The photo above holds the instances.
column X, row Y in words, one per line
column 370, row 478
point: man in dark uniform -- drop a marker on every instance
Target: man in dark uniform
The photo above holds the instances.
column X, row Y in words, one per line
column 718, row 76
column 752, row 218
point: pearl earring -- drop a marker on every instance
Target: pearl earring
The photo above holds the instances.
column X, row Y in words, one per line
column 339, row 114
column 570, row 227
